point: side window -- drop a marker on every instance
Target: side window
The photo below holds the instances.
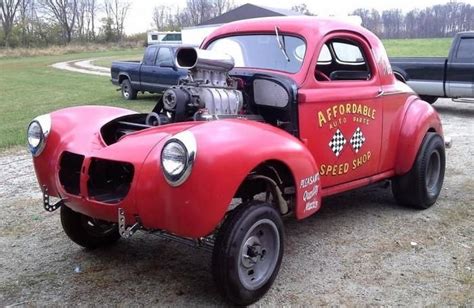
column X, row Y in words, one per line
column 325, row 55
column 154, row 37
column 149, row 58
column 164, row 57
column 342, row 59
column 466, row 49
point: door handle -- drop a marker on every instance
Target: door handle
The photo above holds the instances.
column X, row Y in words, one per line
column 380, row 92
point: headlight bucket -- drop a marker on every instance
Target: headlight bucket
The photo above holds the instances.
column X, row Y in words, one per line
column 37, row 134
column 177, row 158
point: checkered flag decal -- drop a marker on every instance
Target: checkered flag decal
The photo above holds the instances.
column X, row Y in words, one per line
column 357, row 140
column 337, row 142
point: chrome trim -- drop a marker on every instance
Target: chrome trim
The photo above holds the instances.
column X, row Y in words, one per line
column 44, row 122
column 188, row 140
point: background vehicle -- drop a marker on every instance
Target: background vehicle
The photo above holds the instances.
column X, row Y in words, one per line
column 155, row 37
column 434, row 77
column 248, row 138
column 154, row 74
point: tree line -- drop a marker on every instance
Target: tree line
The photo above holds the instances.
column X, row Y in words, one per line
column 40, row 23
column 443, row 20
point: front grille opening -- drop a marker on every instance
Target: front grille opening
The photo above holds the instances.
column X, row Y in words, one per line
column 109, row 181
column 70, row 172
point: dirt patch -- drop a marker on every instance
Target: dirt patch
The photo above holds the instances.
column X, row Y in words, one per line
column 83, row 66
column 361, row 248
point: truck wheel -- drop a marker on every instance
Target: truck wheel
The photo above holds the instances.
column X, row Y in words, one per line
column 429, row 99
column 128, row 92
column 248, row 252
column 421, row 186
column 86, row 231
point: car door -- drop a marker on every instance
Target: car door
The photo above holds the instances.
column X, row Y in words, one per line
column 148, row 71
column 167, row 73
column 340, row 112
column 460, row 74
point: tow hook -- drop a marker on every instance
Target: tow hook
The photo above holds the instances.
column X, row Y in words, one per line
column 46, row 201
column 448, row 142
column 124, row 231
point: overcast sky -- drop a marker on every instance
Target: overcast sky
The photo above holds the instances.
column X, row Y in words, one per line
column 139, row 18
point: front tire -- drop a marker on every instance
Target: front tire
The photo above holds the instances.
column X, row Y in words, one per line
column 421, row 186
column 86, row 231
column 248, row 252
column 128, row 93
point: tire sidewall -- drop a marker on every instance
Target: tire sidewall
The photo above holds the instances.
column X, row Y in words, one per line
column 126, row 83
column 433, row 142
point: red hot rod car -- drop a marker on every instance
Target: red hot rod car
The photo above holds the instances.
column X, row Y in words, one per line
column 276, row 114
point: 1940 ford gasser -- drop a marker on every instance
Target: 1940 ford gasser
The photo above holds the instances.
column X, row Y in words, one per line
column 276, row 114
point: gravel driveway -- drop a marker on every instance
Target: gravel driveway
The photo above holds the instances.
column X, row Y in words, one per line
column 361, row 248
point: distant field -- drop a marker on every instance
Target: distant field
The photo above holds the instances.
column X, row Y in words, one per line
column 30, row 87
column 418, row 47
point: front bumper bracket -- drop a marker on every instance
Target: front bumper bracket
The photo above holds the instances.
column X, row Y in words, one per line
column 47, row 203
column 124, row 231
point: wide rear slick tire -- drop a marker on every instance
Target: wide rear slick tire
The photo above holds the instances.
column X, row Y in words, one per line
column 248, row 252
column 86, row 231
column 421, row 186
column 128, row 93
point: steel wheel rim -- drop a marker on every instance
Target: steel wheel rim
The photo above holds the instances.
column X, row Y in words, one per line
column 125, row 91
column 433, row 171
column 258, row 255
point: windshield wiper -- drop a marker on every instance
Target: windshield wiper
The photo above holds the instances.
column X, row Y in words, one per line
column 281, row 43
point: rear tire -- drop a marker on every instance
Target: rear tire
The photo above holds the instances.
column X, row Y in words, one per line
column 128, row 93
column 429, row 99
column 86, row 231
column 421, row 186
column 248, row 252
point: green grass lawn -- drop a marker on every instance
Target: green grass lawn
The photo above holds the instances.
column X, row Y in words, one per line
column 418, row 47
column 107, row 61
column 30, row 87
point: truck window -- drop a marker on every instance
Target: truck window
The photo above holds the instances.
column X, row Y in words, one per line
column 163, row 57
column 149, row 57
column 154, row 37
column 342, row 59
column 466, row 48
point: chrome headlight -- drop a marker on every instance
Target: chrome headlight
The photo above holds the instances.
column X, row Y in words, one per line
column 37, row 133
column 177, row 158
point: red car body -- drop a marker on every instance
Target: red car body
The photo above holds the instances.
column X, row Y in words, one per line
column 392, row 118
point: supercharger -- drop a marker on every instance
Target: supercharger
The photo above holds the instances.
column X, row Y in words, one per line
column 208, row 91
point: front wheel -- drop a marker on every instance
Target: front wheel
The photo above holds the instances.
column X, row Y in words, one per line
column 248, row 252
column 86, row 231
column 421, row 186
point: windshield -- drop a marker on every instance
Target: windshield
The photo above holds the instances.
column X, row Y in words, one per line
column 263, row 51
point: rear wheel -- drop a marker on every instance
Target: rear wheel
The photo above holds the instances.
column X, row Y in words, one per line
column 421, row 186
column 248, row 252
column 128, row 92
column 86, row 231
column 429, row 99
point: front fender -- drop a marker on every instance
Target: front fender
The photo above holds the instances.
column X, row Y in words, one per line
column 420, row 117
column 227, row 151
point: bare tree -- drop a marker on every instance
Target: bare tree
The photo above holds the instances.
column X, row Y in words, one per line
column 8, row 10
column 302, row 9
column 222, row 6
column 117, row 10
column 161, row 17
column 65, row 13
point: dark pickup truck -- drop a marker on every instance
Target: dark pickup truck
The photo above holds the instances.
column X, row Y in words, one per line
column 436, row 77
column 155, row 73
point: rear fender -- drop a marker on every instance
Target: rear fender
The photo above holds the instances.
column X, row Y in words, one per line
column 227, row 151
column 420, row 118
